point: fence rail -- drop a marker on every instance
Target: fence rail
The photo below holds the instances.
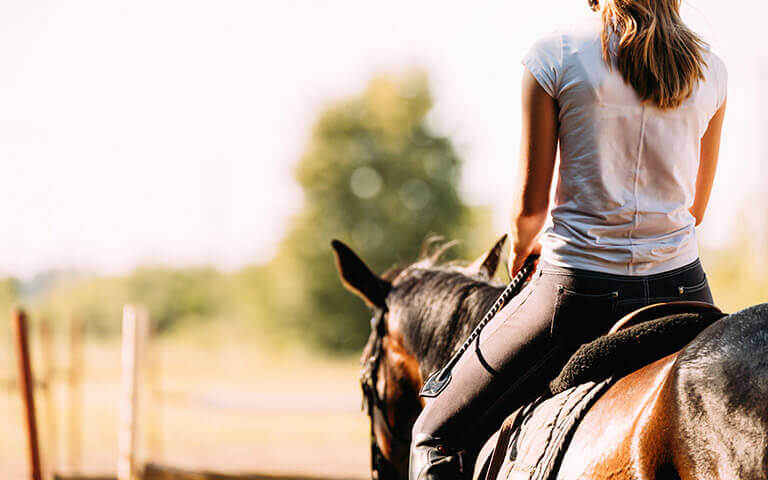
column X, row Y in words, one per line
column 160, row 472
column 135, row 343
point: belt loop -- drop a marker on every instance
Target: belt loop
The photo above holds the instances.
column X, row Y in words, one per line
column 646, row 292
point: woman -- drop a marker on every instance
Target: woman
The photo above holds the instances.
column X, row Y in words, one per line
column 636, row 101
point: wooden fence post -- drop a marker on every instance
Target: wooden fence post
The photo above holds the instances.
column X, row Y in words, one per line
column 26, row 382
column 75, row 384
column 134, row 327
column 153, row 369
column 48, row 374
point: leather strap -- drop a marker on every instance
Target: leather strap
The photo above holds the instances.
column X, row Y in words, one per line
column 500, row 452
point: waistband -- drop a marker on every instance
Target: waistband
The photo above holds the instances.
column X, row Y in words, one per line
column 577, row 272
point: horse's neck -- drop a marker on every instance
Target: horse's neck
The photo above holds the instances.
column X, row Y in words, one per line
column 490, row 293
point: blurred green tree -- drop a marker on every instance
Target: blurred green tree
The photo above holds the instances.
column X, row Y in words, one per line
column 376, row 177
column 173, row 297
column 9, row 292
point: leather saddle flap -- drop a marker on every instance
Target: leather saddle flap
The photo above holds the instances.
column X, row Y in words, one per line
column 536, row 447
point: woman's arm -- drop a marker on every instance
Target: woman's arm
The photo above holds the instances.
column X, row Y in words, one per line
column 710, row 150
column 538, row 147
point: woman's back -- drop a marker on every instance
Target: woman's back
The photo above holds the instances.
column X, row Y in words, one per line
column 627, row 172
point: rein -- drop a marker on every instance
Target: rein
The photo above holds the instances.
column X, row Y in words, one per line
column 371, row 398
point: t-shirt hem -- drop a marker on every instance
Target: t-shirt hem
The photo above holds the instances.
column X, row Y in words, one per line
column 637, row 269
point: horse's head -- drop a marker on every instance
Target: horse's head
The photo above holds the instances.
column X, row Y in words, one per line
column 420, row 313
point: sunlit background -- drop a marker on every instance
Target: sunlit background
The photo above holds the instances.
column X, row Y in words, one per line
column 197, row 157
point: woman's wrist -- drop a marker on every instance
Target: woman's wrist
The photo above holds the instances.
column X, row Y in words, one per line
column 520, row 252
column 521, row 249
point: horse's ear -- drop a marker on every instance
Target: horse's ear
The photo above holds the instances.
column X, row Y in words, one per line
column 357, row 277
column 487, row 263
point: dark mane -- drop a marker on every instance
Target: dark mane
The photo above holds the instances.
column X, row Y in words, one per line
column 437, row 307
column 427, row 258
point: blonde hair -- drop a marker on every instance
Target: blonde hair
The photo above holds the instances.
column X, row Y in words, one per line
column 656, row 53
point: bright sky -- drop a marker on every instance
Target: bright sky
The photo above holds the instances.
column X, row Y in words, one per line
column 165, row 131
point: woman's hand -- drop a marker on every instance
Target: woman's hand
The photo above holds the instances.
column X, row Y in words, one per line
column 517, row 259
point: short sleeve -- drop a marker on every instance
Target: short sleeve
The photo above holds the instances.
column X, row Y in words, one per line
column 544, row 61
column 721, row 74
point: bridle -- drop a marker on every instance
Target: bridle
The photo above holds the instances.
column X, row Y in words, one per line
column 371, row 398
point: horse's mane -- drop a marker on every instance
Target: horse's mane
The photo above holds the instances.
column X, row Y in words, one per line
column 438, row 305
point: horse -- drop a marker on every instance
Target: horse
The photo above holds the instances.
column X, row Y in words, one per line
column 699, row 413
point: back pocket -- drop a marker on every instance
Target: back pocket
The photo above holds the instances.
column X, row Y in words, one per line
column 698, row 291
column 582, row 317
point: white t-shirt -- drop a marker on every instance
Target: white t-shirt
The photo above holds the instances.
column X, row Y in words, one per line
column 627, row 170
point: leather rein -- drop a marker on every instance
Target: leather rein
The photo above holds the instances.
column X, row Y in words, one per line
column 371, row 399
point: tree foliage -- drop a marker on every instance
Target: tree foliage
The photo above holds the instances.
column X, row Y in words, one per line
column 376, row 177
column 9, row 292
column 173, row 297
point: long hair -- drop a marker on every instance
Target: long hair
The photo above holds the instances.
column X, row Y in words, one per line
column 656, row 53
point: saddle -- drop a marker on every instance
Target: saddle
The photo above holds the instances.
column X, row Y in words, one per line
column 533, row 440
column 658, row 310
